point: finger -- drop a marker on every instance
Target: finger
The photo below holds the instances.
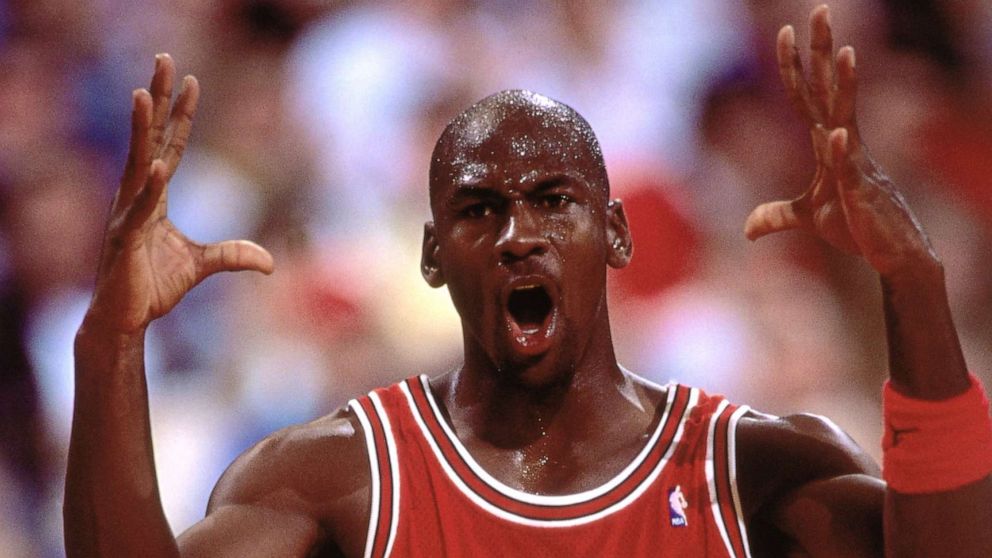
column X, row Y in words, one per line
column 235, row 255
column 850, row 189
column 150, row 198
column 180, row 124
column 770, row 218
column 821, row 45
column 844, row 168
column 138, row 157
column 847, row 87
column 161, row 90
column 821, row 151
column 790, row 70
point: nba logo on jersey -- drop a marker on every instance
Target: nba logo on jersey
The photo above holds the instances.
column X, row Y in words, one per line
column 676, row 507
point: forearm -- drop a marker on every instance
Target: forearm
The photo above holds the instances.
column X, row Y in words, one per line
column 925, row 358
column 926, row 363
column 112, row 505
column 955, row 523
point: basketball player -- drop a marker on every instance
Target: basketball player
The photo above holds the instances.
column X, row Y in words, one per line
column 540, row 444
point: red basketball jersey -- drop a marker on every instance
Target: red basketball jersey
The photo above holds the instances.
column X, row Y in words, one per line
column 430, row 498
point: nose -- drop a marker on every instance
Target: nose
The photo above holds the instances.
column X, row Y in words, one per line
column 521, row 236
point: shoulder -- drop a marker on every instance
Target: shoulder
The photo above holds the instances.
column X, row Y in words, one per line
column 319, row 469
column 301, row 490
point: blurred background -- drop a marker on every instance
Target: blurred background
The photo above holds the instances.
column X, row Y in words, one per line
column 313, row 138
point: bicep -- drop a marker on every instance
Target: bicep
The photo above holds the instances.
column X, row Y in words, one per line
column 807, row 487
column 836, row 517
column 243, row 530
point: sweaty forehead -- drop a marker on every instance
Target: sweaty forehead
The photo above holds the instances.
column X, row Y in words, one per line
column 514, row 130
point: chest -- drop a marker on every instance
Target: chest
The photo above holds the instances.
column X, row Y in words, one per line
column 435, row 495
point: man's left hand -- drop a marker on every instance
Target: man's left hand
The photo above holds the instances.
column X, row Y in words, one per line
column 851, row 204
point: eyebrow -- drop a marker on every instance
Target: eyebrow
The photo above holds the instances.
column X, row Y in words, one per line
column 474, row 182
column 468, row 181
column 551, row 182
column 471, row 191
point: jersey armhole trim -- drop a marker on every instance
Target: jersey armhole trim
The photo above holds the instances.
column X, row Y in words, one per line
column 363, row 419
column 732, row 467
column 721, row 478
column 394, row 473
column 384, row 471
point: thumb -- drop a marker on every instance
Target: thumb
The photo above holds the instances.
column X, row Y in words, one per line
column 235, row 255
column 770, row 218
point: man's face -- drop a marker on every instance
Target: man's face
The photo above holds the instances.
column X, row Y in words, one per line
column 522, row 236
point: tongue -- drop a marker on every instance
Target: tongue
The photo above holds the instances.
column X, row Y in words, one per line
column 530, row 339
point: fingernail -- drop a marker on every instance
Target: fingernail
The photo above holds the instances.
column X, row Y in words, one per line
column 158, row 61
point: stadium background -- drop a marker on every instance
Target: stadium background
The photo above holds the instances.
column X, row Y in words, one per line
column 313, row 138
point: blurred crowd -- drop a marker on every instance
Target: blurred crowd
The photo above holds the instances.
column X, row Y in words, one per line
column 313, row 138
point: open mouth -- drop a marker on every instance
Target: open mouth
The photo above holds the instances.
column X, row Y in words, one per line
column 529, row 307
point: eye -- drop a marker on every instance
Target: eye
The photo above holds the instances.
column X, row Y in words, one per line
column 478, row 210
column 555, row 201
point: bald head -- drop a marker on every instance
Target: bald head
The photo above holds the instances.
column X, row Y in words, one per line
column 516, row 128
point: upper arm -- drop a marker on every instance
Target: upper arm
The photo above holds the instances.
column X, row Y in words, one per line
column 301, row 488
column 806, row 486
column 833, row 517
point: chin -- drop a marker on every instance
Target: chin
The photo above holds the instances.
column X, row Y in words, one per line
column 537, row 371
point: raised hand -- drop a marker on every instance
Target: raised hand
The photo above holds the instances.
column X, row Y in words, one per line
column 851, row 204
column 147, row 265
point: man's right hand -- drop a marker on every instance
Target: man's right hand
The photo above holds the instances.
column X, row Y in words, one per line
column 147, row 265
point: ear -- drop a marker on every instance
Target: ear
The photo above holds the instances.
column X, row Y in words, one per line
column 430, row 264
column 619, row 245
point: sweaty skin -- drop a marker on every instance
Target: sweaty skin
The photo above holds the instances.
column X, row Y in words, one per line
column 522, row 220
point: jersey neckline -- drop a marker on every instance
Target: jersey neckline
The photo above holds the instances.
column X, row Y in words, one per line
column 497, row 497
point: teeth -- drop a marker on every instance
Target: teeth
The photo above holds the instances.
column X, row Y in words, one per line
column 527, row 287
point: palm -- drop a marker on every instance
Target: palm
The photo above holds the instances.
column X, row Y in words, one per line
column 850, row 203
column 147, row 264
column 166, row 263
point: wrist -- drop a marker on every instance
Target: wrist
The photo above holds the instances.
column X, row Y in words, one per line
column 924, row 271
column 103, row 353
column 95, row 330
column 936, row 446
